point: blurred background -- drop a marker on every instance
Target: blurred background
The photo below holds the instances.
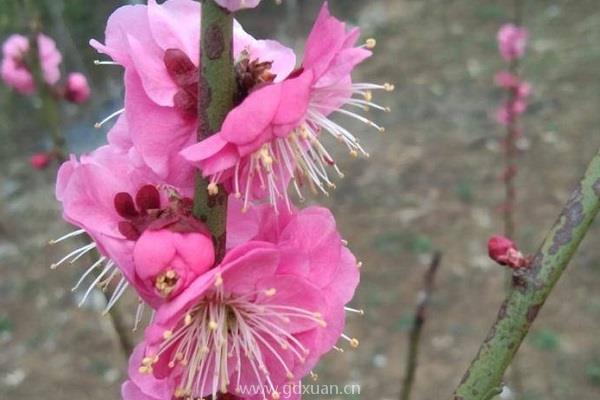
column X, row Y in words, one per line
column 433, row 183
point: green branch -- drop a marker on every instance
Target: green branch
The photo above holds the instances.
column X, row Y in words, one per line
column 483, row 379
column 216, row 91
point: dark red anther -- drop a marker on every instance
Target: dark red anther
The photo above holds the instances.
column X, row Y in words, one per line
column 125, row 206
column 147, row 198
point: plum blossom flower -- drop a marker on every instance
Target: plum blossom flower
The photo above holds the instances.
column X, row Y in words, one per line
column 158, row 47
column 77, row 89
column 15, row 71
column 274, row 134
column 236, row 5
column 512, row 41
column 113, row 197
column 263, row 317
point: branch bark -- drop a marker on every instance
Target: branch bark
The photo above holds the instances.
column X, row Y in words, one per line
column 216, row 92
column 529, row 293
column 418, row 322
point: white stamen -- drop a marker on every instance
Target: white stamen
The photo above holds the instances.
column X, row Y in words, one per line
column 102, row 62
column 75, row 254
column 67, row 236
column 87, row 272
column 107, row 119
column 116, row 295
column 109, row 265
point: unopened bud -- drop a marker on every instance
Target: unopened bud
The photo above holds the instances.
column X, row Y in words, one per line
column 504, row 251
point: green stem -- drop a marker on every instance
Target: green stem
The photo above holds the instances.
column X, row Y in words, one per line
column 216, row 91
column 528, row 293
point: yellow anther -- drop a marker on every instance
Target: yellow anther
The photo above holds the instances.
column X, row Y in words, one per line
column 388, row 87
column 171, row 274
column 213, row 189
column 271, row 292
column 168, row 335
column 290, row 376
column 188, row 319
column 354, row 343
column 371, row 43
column 212, row 325
column 275, row 396
column 354, row 153
column 368, row 95
column 218, row 280
column 359, row 264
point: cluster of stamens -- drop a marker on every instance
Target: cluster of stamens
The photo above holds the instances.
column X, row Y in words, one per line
column 300, row 155
column 165, row 282
column 220, row 329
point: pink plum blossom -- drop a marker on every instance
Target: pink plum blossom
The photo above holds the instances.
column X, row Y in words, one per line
column 236, row 5
column 114, row 197
column 273, row 135
column 77, row 89
column 15, row 70
column 157, row 45
column 263, row 317
column 512, row 41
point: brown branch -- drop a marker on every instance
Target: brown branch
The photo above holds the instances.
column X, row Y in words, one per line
column 417, row 326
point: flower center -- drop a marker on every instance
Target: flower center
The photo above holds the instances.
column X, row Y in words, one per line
column 221, row 332
column 249, row 74
column 165, row 282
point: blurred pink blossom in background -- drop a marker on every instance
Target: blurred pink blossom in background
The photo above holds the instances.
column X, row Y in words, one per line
column 235, row 5
column 77, row 89
column 15, row 70
column 512, row 41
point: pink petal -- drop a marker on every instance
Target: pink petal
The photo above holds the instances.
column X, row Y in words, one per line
column 175, row 25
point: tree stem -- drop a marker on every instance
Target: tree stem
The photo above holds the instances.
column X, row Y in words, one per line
column 528, row 293
column 216, row 91
column 417, row 327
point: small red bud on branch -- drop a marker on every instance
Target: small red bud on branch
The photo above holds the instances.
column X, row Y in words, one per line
column 505, row 252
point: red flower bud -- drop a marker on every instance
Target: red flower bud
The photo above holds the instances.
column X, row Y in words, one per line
column 40, row 160
column 505, row 252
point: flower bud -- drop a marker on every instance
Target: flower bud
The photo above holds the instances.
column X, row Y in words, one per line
column 40, row 160
column 167, row 262
column 505, row 252
column 77, row 89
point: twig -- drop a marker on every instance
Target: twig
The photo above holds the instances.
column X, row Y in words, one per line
column 51, row 119
column 511, row 171
column 417, row 326
column 216, row 91
column 528, row 293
